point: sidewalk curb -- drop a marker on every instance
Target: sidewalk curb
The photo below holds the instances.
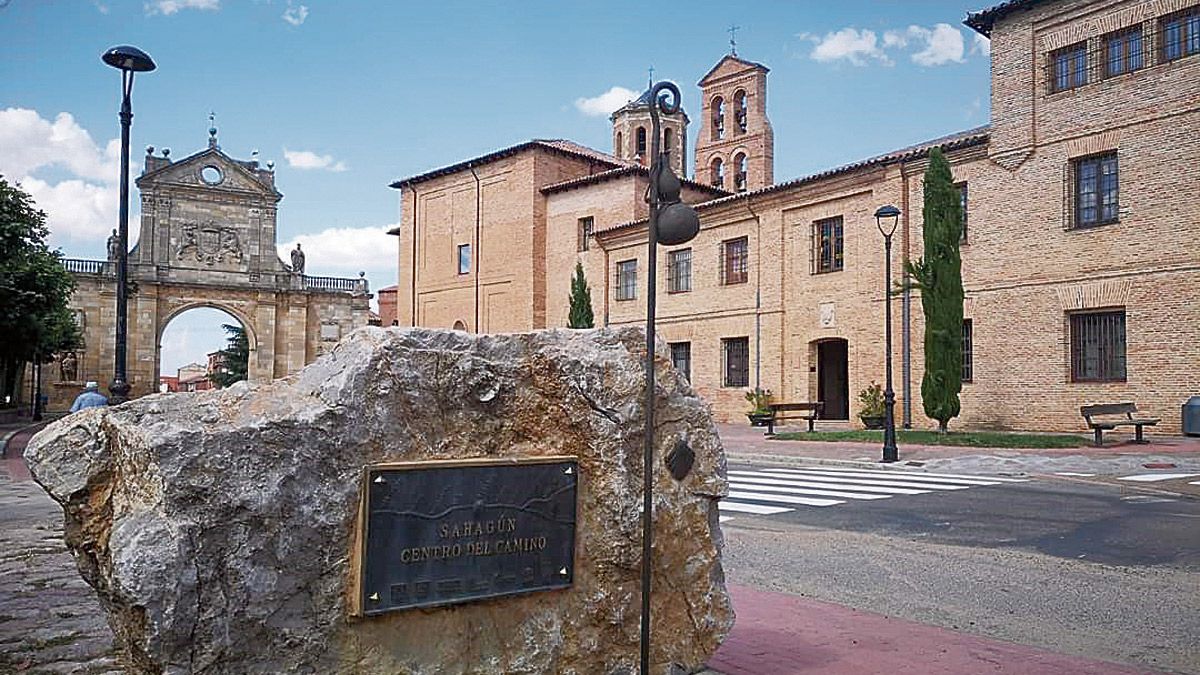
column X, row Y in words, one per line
column 12, row 434
column 760, row 458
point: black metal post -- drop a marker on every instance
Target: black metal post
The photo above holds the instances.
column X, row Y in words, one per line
column 119, row 388
column 37, row 389
column 890, row 452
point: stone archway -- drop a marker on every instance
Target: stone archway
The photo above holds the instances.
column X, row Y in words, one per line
column 246, row 324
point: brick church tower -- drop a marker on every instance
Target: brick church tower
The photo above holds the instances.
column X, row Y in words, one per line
column 631, row 133
column 735, row 150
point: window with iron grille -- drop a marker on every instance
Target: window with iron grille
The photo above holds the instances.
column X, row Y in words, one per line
column 464, row 258
column 1180, row 34
column 962, row 204
column 968, row 358
column 827, row 245
column 1123, row 52
column 1068, row 67
column 626, row 280
column 735, row 259
column 736, row 354
column 681, row 358
column 1096, row 191
column 679, row 271
column 640, row 140
column 1098, row 346
column 587, row 227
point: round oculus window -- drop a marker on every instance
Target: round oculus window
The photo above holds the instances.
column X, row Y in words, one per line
column 211, row 175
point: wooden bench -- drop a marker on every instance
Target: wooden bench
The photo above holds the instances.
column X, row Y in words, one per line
column 793, row 411
column 1111, row 418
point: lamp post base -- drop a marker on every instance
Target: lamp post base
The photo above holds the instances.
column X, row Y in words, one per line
column 118, row 392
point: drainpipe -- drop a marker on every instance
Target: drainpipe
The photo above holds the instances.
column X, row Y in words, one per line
column 906, row 309
column 757, row 296
column 475, row 245
column 416, row 201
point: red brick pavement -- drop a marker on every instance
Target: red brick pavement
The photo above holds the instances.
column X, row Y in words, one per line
column 782, row 634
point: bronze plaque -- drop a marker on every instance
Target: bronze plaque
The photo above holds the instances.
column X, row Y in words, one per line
column 446, row 532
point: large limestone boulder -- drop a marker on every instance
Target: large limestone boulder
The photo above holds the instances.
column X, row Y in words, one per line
column 218, row 527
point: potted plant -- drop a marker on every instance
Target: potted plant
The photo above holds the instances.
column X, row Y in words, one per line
column 872, row 410
column 760, row 414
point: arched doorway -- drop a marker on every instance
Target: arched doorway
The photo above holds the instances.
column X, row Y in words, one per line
column 830, row 357
column 195, row 345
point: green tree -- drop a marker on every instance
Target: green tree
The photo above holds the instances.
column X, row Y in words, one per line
column 581, row 301
column 35, row 289
column 234, row 358
column 938, row 275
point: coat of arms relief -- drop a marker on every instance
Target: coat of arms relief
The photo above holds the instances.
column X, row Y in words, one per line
column 208, row 243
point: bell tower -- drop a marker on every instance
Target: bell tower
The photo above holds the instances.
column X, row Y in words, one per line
column 632, row 129
column 735, row 149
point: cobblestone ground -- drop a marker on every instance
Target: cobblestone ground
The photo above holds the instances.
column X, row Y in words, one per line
column 50, row 619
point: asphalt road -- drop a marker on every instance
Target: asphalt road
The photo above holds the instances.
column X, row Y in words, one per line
column 1099, row 570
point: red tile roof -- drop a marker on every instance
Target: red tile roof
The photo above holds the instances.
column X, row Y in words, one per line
column 558, row 145
column 962, row 139
column 617, row 173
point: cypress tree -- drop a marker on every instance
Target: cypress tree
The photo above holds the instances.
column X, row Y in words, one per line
column 938, row 275
column 581, row 301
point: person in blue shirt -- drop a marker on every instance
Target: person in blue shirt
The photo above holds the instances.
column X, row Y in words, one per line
column 90, row 398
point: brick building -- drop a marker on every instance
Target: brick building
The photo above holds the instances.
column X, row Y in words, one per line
column 1081, row 264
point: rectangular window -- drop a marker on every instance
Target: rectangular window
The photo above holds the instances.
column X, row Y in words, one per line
column 1068, row 67
column 627, row 280
column 736, row 354
column 587, row 227
column 968, row 359
column 464, row 258
column 1180, row 34
column 1098, row 346
column 735, row 259
column 827, row 245
column 1096, row 190
column 679, row 271
column 681, row 358
column 1123, row 52
column 962, row 204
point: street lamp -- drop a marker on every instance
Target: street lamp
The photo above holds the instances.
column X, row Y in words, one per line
column 128, row 60
column 671, row 223
column 886, row 219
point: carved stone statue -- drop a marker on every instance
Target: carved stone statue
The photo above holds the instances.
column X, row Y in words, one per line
column 297, row 260
column 68, row 367
column 114, row 246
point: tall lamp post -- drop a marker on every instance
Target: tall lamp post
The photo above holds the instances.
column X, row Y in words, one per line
column 128, row 60
column 886, row 218
column 671, row 223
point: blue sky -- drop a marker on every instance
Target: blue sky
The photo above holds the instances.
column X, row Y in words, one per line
column 348, row 96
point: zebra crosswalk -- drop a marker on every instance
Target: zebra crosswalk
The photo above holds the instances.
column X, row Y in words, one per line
column 773, row 490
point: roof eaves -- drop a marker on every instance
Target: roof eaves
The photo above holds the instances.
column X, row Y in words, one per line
column 983, row 20
column 964, row 139
column 559, row 146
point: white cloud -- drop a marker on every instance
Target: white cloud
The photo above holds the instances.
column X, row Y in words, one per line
column 346, row 251
column 943, row 44
column 981, row 45
column 295, row 15
column 80, row 207
column 304, row 159
column 934, row 46
column 850, row 44
column 169, row 7
column 606, row 103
